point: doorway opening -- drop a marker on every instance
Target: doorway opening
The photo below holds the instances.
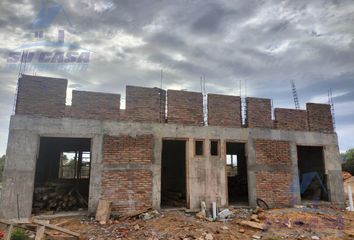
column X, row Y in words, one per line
column 62, row 175
column 312, row 176
column 236, row 168
column 173, row 173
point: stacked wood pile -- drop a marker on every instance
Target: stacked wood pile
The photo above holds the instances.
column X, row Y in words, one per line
column 56, row 197
column 173, row 199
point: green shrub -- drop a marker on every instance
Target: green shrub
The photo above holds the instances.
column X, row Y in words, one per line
column 19, row 234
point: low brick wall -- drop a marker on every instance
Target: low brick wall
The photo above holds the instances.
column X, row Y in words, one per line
column 320, row 117
column 291, row 119
column 259, row 113
column 145, row 104
column 41, row 96
column 224, row 110
column 185, row 107
column 94, row 105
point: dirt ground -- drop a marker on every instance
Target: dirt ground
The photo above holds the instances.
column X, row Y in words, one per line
column 290, row 223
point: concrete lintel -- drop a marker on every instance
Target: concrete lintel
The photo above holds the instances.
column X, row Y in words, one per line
column 270, row 168
column 126, row 166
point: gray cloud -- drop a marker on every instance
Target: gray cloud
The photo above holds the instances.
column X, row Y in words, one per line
column 263, row 43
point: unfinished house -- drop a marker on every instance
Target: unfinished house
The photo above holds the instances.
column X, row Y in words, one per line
column 161, row 152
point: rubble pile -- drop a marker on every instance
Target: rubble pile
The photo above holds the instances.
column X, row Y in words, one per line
column 289, row 223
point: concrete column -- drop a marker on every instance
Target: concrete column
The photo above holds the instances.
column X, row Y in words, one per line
column 19, row 174
column 96, row 172
column 156, row 173
column 295, row 186
column 251, row 175
column 334, row 174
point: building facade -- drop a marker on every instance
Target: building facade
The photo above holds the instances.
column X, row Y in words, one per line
column 160, row 152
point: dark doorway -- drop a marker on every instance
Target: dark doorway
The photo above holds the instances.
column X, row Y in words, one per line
column 62, row 175
column 313, row 180
column 236, row 168
column 173, row 173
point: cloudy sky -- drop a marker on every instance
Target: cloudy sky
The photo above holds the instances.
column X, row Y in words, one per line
column 263, row 44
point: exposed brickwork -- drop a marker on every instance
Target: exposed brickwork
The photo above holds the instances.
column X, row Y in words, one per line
column 94, row 105
column 224, row 110
column 41, row 96
column 272, row 152
column 291, row 119
column 274, row 188
column 45, row 96
column 185, row 107
column 259, row 113
column 145, row 104
column 319, row 117
column 127, row 149
column 129, row 190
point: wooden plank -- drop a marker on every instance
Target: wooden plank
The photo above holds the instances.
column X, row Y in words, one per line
column 60, row 229
column 6, row 222
column 255, row 225
column 40, row 233
column 103, row 211
column 8, row 232
column 135, row 213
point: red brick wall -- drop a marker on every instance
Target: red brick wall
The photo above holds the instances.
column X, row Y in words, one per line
column 129, row 190
column 259, row 113
column 319, row 117
column 94, row 105
column 185, row 107
column 272, row 152
column 127, row 149
column 291, row 119
column 145, row 104
column 274, row 187
column 41, row 96
column 224, row 110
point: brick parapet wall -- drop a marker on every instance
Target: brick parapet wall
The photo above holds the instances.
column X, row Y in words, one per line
column 94, row 105
column 41, row 96
column 258, row 113
column 127, row 149
column 224, row 110
column 320, row 117
column 145, row 104
column 185, row 107
column 291, row 119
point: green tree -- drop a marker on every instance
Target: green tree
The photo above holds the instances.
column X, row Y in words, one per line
column 348, row 158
